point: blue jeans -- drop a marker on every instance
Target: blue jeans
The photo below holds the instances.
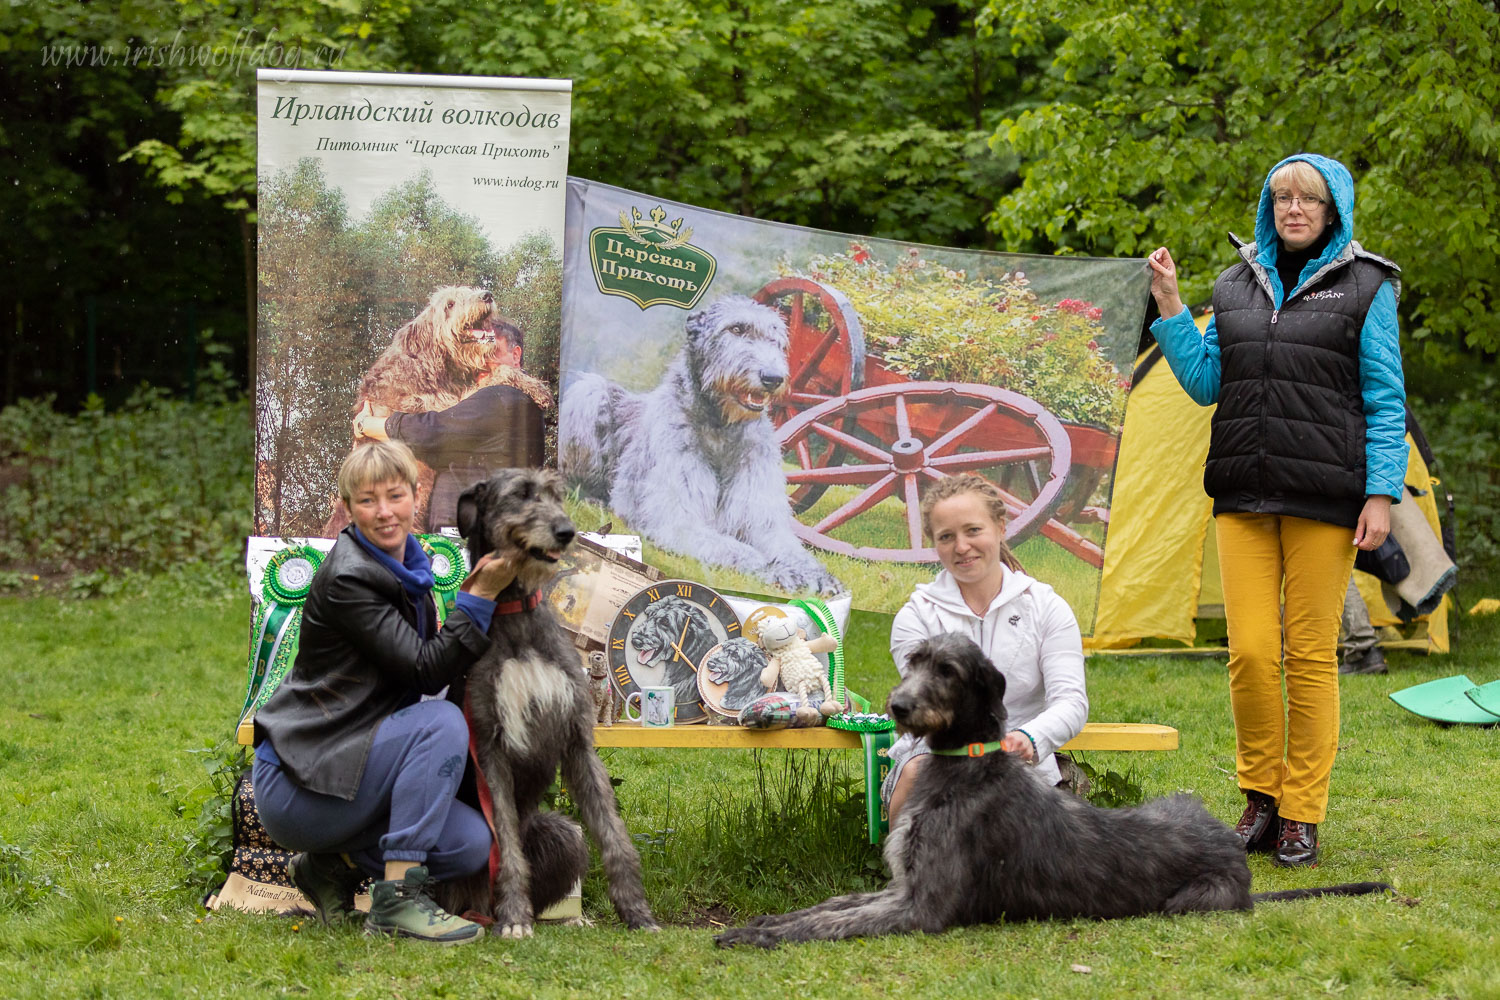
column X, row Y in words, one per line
column 405, row 808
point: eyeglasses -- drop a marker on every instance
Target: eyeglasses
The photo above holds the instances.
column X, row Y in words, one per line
column 1309, row 202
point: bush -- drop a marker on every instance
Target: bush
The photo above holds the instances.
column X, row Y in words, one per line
column 150, row 487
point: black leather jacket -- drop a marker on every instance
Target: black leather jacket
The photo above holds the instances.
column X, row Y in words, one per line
column 359, row 659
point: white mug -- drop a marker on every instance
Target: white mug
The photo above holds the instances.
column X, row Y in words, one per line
column 657, row 706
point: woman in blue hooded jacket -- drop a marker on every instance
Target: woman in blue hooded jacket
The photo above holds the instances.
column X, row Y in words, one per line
column 1306, row 455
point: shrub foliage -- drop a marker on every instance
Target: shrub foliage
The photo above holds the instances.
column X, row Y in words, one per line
column 156, row 484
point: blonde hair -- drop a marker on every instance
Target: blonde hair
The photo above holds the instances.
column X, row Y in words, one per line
column 1303, row 176
column 969, row 482
column 376, row 462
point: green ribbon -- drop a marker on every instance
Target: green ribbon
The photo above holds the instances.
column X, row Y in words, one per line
column 877, row 766
column 270, row 652
column 817, row 611
column 273, row 633
column 289, row 575
column 449, row 567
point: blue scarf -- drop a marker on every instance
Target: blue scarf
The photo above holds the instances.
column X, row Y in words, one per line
column 414, row 573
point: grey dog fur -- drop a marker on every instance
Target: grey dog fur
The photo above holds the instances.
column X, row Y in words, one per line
column 531, row 712
column 692, row 465
column 979, row 839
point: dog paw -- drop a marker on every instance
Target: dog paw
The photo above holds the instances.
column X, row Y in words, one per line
column 515, row 931
column 640, row 919
column 579, row 921
column 752, row 936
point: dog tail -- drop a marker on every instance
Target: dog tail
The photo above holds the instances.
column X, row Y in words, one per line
column 1346, row 889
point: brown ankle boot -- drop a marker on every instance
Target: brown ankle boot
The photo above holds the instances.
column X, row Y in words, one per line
column 1297, row 845
column 1258, row 824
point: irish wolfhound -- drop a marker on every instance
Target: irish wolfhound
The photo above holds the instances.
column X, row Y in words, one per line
column 530, row 711
column 450, row 350
column 980, row 839
column 694, row 464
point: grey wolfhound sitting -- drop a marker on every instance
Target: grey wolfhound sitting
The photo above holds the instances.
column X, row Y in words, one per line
column 694, row 464
column 980, row 839
column 530, row 711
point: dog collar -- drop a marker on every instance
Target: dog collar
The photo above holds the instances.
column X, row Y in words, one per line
column 526, row 603
column 970, row 750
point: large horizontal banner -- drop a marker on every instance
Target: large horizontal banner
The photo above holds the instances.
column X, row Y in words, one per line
column 410, row 282
column 765, row 403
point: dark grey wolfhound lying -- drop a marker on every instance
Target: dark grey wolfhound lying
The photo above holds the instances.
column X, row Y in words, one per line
column 530, row 712
column 980, row 839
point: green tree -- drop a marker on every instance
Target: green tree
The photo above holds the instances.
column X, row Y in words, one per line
column 1158, row 122
column 310, row 301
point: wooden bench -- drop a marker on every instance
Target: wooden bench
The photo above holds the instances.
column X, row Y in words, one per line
column 1095, row 736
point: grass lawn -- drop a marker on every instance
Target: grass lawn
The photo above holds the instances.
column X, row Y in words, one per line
column 102, row 700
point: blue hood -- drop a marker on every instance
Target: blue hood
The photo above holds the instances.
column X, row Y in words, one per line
column 1340, row 185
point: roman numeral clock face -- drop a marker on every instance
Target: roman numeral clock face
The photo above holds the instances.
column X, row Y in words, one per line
column 659, row 639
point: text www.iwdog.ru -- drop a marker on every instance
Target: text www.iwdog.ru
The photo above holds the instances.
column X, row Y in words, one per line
column 529, row 183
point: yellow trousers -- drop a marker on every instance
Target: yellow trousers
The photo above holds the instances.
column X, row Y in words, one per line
column 1284, row 747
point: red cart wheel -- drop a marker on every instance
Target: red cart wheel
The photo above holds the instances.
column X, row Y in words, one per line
column 826, row 360
column 975, row 428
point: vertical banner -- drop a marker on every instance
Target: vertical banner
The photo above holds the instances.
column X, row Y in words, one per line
column 766, row 403
column 410, row 281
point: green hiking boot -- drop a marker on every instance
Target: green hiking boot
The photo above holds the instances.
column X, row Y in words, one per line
column 403, row 908
column 328, row 881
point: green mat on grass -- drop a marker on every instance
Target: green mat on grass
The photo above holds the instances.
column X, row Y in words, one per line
column 1448, row 700
column 1486, row 696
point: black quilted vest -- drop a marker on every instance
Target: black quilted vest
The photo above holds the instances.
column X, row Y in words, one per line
column 1289, row 432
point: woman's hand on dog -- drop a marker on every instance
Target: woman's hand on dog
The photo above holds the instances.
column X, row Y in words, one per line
column 492, row 574
column 1016, row 742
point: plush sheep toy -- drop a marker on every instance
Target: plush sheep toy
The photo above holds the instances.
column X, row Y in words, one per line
column 802, row 673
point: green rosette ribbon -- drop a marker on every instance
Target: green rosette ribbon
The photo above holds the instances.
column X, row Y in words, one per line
column 289, row 575
column 273, row 633
column 448, row 569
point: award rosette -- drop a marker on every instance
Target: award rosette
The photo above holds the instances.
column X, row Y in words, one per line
column 273, row 634
column 449, row 568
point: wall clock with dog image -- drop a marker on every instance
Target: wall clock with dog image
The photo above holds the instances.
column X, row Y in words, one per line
column 660, row 636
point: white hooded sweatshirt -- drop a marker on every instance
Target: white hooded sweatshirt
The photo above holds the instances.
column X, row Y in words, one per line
column 1030, row 634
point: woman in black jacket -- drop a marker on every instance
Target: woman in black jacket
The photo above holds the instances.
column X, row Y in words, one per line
column 352, row 767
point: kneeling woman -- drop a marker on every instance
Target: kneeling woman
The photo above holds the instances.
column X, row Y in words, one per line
column 351, row 767
column 1027, row 631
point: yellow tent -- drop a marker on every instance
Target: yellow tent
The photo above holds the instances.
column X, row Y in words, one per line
column 1161, row 566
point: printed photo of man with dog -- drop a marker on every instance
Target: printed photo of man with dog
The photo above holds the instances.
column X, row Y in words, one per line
column 399, row 300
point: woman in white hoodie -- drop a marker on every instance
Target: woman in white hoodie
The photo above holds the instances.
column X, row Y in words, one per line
column 1028, row 631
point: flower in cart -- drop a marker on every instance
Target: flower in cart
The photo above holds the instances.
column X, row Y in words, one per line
column 925, row 321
